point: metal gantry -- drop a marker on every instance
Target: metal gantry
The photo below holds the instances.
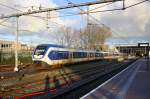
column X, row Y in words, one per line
column 57, row 8
column 16, row 46
column 17, row 15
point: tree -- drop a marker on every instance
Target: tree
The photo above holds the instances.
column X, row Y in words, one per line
column 94, row 35
column 90, row 37
column 66, row 36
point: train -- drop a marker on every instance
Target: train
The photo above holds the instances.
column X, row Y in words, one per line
column 50, row 54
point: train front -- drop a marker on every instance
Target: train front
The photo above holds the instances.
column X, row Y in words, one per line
column 39, row 54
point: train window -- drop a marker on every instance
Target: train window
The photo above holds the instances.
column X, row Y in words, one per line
column 79, row 54
column 75, row 55
column 56, row 55
column 101, row 54
column 63, row 55
column 92, row 54
column 84, row 54
column 97, row 54
column 106, row 54
column 40, row 50
column 53, row 55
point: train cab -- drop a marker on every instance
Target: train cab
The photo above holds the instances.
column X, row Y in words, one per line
column 39, row 52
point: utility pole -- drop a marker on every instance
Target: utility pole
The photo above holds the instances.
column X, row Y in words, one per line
column 146, row 52
column 123, row 5
column 16, row 46
column 88, row 29
column 147, row 56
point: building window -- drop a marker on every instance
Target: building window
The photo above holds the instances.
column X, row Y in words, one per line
column 3, row 46
column 7, row 45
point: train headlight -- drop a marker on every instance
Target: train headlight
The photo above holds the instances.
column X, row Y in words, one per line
column 38, row 56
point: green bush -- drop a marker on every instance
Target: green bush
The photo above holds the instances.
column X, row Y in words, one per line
column 9, row 58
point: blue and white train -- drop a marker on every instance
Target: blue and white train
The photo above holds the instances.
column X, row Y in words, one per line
column 57, row 55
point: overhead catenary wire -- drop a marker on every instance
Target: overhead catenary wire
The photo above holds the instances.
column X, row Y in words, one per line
column 91, row 10
column 23, row 30
column 136, row 4
column 9, row 7
column 70, row 14
column 111, row 10
column 21, row 11
column 75, row 13
column 126, row 7
column 17, row 15
column 14, row 8
column 4, row 20
column 99, row 11
column 40, row 17
column 7, row 26
column 58, row 8
column 98, row 20
column 108, row 10
column 46, row 8
column 101, row 6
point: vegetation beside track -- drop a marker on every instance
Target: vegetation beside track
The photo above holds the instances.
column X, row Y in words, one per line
column 9, row 57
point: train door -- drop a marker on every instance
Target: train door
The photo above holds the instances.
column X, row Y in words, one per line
column 70, row 60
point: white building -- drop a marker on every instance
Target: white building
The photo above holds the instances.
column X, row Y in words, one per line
column 8, row 46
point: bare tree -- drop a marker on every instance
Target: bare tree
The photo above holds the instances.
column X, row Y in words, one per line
column 94, row 35
column 90, row 37
column 66, row 36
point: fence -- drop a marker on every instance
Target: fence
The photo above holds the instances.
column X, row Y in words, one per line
column 9, row 57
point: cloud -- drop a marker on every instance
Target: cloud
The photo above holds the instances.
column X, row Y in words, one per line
column 128, row 23
column 26, row 22
column 131, row 22
column 30, row 25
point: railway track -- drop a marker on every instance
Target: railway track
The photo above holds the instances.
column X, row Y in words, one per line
column 84, row 86
column 57, row 79
column 64, row 76
column 10, row 67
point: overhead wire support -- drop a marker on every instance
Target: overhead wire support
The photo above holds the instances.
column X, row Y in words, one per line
column 123, row 5
column 16, row 69
column 136, row 4
column 4, row 21
column 88, row 12
column 57, row 8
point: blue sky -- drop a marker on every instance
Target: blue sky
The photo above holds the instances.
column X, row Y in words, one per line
column 131, row 25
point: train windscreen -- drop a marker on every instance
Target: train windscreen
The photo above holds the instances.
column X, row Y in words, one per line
column 40, row 50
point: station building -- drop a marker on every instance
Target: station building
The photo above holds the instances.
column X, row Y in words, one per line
column 133, row 49
column 8, row 46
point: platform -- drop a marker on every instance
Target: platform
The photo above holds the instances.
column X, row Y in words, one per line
column 131, row 83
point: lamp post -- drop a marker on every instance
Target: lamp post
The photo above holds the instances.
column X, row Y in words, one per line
column 146, row 45
column 16, row 46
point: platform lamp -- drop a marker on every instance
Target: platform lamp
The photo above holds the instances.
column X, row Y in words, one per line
column 146, row 45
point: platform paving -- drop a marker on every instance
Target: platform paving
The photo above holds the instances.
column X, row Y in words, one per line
column 131, row 83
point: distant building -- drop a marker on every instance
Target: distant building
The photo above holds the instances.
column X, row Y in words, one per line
column 101, row 47
column 132, row 49
column 8, row 46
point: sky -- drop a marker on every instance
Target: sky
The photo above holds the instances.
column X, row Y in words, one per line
column 128, row 26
